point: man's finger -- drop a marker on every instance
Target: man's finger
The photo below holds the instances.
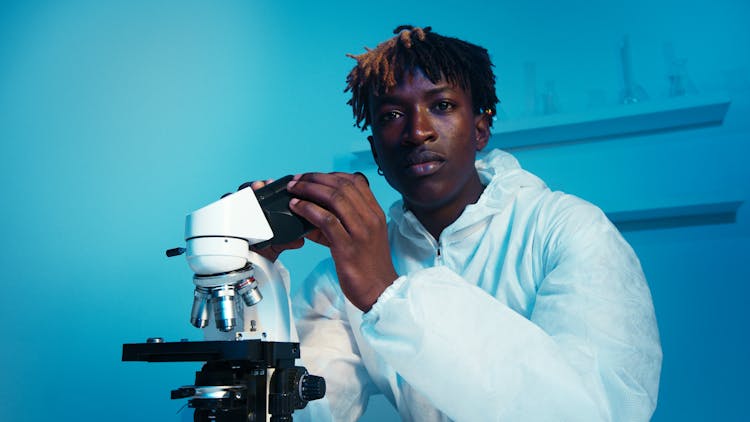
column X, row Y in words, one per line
column 328, row 224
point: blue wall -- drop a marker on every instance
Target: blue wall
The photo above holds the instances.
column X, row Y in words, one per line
column 117, row 118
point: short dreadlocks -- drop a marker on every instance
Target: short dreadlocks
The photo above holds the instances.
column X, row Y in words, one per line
column 462, row 64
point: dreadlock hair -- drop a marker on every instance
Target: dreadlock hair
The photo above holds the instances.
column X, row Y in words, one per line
column 462, row 64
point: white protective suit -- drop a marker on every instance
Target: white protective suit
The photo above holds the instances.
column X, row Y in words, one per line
column 530, row 307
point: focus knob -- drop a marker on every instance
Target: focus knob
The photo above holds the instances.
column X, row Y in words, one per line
column 312, row 387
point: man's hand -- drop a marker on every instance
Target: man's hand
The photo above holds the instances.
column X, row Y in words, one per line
column 352, row 225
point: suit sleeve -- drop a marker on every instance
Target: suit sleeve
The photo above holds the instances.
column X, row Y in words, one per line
column 328, row 349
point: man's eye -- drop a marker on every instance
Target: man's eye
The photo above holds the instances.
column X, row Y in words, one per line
column 444, row 106
column 389, row 116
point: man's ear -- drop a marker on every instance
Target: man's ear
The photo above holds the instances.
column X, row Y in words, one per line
column 482, row 126
column 372, row 150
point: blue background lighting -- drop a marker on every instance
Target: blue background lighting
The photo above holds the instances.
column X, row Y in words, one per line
column 117, row 118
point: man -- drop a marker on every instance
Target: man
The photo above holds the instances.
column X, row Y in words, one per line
column 486, row 296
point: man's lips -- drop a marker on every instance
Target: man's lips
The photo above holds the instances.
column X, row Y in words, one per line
column 423, row 163
column 422, row 157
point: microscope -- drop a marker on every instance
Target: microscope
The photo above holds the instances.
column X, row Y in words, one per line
column 241, row 302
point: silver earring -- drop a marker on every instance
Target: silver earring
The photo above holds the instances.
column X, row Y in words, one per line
column 380, row 171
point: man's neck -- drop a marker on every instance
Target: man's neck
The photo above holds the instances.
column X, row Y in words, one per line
column 435, row 220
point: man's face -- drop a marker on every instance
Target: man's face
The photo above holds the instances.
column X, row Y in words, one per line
column 424, row 138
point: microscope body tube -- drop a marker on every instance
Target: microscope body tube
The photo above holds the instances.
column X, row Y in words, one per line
column 218, row 237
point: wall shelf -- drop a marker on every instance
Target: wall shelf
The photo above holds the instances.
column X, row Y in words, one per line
column 633, row 119
column 696, row 214
column 626, row 120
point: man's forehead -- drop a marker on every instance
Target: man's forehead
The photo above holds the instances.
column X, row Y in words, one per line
column 419, row 80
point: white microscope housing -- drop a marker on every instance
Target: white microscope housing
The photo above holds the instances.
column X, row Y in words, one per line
column 218, row 237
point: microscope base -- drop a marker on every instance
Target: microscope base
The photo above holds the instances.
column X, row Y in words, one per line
column 233, row 384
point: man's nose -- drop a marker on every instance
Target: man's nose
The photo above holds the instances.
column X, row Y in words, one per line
column 420, row 128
